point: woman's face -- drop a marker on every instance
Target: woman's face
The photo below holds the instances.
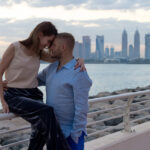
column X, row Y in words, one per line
column 45, row 41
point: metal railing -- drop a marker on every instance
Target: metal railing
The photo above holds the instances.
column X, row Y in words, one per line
column 126, row 115
column 126, row 125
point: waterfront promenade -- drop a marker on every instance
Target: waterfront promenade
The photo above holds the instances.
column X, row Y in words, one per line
column 109, row 115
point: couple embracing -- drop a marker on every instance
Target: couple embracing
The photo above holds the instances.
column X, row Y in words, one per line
column 61, row 122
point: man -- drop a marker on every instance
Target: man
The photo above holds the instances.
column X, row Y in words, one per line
column 67, row 90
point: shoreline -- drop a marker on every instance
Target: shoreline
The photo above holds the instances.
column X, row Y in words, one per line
column 116, row 92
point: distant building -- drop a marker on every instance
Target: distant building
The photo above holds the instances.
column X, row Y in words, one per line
column 106, row 52
column 78, row 51
column 100, row 46
column 147, row 46
column 124, row 44
column 131, row 52
column 118, row 54
column 112, row 52
column 97, row 55
column 93, row 55
column 86, row 47
column 136, row 44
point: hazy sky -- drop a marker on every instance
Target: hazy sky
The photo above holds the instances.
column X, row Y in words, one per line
column 80, row 17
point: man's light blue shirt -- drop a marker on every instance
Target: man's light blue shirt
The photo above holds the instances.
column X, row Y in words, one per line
column 67, row 92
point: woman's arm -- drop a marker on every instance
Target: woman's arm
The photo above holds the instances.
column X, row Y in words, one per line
column 45, row 56
column 80, row 63
column 4, row 63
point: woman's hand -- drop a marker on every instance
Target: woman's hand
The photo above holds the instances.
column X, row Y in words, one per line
column 5, row 85
column 5, row 106
column 80, row 63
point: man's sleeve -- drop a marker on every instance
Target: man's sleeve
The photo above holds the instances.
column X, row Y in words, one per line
column 42, row 77
column 81, row 89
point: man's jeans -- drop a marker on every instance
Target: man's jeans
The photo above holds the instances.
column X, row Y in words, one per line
column 27, row 103
column 76, row 146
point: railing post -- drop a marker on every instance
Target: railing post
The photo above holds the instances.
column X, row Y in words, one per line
column 126, row 119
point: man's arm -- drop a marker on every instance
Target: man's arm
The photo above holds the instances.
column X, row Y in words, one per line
column 81, row 89
column 42, row 77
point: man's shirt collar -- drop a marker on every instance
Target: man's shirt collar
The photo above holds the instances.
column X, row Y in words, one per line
column 69, row 65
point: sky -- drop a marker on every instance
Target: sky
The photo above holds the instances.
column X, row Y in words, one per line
column 79, row 17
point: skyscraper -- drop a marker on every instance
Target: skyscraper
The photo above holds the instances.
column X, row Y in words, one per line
column 76, row 49
column 124, row 44
column 100, row 46
column 131, row 51
column 136, row 44
column 147, row 46
column 106, row 52
column 80, row 50
column 86, row 47
column 118, row 54
column 112, row 53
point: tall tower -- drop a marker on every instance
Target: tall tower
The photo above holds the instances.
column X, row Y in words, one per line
column 136, row 44
column 78, row 51
column 106, row 52
column 100, row 46
column 124, row 44
column 86, row 47
column 147, row 46
column 112, row 52
column 131, row 51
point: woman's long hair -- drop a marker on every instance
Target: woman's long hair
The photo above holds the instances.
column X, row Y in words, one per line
column 47, row 28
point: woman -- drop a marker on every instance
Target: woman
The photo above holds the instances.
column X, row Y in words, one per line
column 20, row 63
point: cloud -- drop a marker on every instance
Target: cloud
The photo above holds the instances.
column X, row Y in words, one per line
column 84, row 24
column 111, row 28
column 115, row 4
column 3, row 44
column 5, row 3
column 24, row 11
column 94, row 4
column 89, row 4
column 45, row 3
column 3, row 41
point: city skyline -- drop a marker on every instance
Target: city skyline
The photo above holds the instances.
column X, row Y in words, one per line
column 102, row 50
column 86, row 17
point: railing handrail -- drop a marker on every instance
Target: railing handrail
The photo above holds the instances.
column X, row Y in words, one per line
column 6, row 116
column 119, row 96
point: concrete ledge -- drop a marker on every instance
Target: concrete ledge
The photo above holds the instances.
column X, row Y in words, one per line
column 138, row 140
